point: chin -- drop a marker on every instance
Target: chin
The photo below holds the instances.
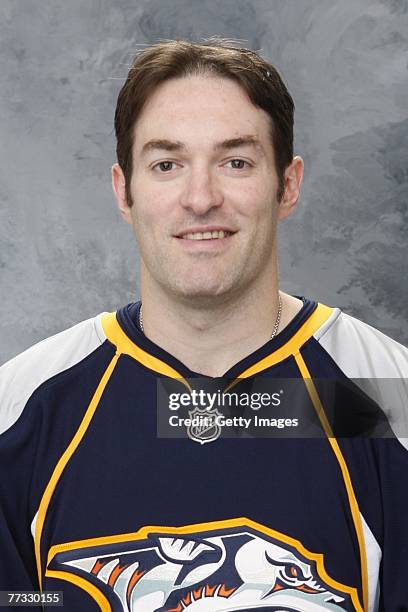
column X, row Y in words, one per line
column 203, row 294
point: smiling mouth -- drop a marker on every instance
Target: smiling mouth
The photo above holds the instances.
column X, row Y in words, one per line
column 210, row 235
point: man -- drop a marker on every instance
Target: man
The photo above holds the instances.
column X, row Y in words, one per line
column 124, row 519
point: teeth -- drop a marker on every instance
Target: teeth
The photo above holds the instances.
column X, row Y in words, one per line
column 206, row 235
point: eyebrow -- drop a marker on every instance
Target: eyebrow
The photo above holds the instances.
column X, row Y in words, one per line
column 225, row 145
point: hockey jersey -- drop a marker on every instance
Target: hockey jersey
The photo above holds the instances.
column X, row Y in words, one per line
column 94, row 503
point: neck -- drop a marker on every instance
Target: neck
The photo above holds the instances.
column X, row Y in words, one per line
column 211, row 339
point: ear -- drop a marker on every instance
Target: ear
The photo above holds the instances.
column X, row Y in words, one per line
column 293, row 180
column 119, row 189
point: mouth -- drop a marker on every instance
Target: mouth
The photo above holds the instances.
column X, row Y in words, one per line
column 208, row 234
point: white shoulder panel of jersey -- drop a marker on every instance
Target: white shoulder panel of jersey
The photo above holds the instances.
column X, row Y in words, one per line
column 371, row 359
column 374, row 554
column 21, row 376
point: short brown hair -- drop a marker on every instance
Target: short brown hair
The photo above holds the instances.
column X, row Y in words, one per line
column 180, row 58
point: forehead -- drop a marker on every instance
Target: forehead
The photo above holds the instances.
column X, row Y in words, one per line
column 198, row 110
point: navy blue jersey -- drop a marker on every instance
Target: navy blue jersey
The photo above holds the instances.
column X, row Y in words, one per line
column 93, row 503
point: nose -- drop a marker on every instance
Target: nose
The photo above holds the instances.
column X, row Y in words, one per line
column 201, row 191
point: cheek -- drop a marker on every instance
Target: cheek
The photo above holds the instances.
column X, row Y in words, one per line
column 151, row 207
column 255, row 205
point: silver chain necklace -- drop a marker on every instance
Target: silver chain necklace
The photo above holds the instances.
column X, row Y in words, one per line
column 275, row 327
column 278, row 317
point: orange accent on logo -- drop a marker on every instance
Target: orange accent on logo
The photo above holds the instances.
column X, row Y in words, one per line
column 209, row 591
column 197, row 593
column 136, row 576
column 306, row 589
column 116, row 572
column 98, row 566
column 224, row 592
column 179, row 608
column 187, row 599
column 218, row 590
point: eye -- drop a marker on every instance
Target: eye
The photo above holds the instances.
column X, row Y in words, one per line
column 164, row 166
column 292, row 571
column 238, row 164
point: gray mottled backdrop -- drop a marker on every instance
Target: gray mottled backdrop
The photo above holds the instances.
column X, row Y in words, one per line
column 65, row 254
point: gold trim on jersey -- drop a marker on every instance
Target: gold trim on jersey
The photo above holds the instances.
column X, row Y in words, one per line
column 125, row 345
column 65, row 457
column 318, row 317
column 83, row 584
column 354, row 508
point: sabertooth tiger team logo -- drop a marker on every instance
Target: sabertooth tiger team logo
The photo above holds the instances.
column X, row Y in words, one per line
column 204, row 426
column 234, row 565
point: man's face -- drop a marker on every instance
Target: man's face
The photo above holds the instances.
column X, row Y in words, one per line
column 203, row 189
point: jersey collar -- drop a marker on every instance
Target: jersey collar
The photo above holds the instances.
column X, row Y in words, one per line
column 122, row 331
